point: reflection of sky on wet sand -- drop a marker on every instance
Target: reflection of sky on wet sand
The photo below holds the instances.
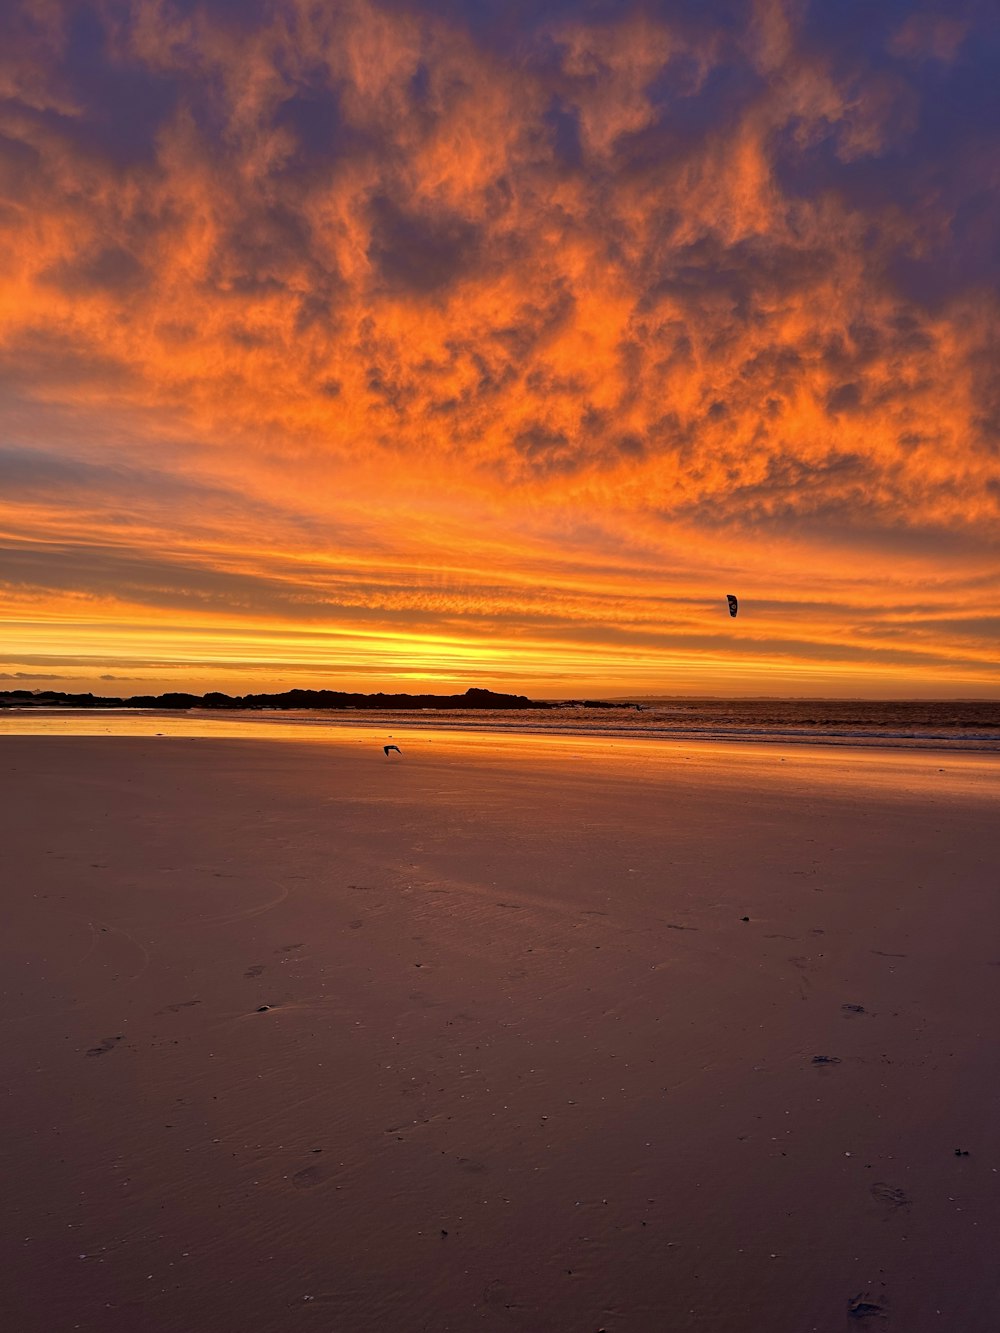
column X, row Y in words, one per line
column 408, row 346
column 427, row 749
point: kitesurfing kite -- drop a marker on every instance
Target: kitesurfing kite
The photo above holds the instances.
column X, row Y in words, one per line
column 387, row 748
column 734, row 605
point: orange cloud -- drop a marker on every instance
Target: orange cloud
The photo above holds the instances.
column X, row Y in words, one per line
column 359, row 334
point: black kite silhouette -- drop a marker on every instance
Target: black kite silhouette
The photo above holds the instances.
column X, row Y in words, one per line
column 734, row 605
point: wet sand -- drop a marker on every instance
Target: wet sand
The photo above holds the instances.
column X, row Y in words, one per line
column 296, row 1036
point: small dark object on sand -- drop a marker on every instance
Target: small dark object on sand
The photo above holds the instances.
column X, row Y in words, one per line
column 859, row 1308
column 443, row 1232
column 744, row 918
column 387, row 748
column 826, row 1060
column 108, row 1044
column 853, row 1008
column 263, row 1008
column 961, row 1152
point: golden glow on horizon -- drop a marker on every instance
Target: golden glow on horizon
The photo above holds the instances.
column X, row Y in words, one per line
column 386, row 357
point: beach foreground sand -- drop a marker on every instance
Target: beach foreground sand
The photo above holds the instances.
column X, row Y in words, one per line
column 298, row 1037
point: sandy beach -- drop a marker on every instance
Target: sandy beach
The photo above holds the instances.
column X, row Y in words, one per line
column 552, row 1035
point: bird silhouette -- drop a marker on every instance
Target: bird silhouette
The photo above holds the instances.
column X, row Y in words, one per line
column 387, row 748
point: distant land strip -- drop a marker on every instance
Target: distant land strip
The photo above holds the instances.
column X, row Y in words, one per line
column 325, row 699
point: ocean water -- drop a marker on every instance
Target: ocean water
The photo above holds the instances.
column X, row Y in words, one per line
column 973, row 725
column 957, row 726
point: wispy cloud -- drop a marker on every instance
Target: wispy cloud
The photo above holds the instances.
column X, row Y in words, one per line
column 29, row 675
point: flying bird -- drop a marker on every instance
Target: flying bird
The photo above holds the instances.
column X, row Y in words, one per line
column 387, row 748
column 734, row 605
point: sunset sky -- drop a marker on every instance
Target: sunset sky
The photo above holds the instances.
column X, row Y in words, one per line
column 387, row 345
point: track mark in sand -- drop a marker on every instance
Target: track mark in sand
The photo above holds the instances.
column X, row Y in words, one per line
column 473, row 1167
column 290, row 948
column 245, row 913
column 860, row 1307
column 672, row 925
column 356, row 924
column 254, row 971
column 781, row 937
column 93, row 939
column 593, row 912
column 853, row 1009
column 362, row 888
column 108, row 1044
column 882, row 954
column 309, row 1177
column 511, row 907
column 890, row 1195
column 176, row 1008
column 97, row 929
column 498, row 1295
column 826, row 1059
column 323, row 1298
column 119, row 930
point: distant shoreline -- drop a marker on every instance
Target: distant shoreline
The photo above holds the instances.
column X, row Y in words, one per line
column 324, row 700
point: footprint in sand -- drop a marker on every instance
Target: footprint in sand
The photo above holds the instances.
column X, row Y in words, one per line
column 500, row 1297
column 497, row 1293
column 108, row 1044
column 862, row 1307
column 181, row 1004
column 473, row 1167
column 890, row 1195
column 309, row 1177
column 254, row 971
